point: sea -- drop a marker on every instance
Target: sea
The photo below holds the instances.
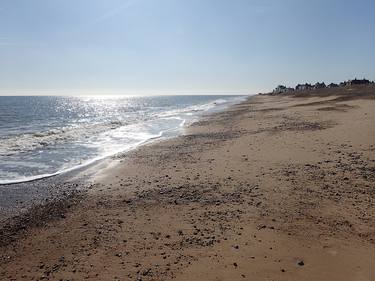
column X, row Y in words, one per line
column 43, row 136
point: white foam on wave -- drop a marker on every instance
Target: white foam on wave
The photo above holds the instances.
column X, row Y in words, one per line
column 21, row 179
column 139, row 138
column 30, row 141
column 193, row 109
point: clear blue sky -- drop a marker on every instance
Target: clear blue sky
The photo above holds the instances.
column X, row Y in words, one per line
column 182, row 46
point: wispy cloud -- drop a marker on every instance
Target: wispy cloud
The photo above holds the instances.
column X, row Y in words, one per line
column 5, row 41
column 110, row 13
column 114, row 11
column 263, row 7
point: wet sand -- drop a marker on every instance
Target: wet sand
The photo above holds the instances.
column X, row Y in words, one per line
column 276, row 188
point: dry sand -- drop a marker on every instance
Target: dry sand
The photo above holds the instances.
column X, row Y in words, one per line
column 276, row 188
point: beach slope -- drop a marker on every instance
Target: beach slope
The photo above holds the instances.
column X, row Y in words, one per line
column 275, row 188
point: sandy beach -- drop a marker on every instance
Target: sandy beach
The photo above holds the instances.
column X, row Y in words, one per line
column 275, row 188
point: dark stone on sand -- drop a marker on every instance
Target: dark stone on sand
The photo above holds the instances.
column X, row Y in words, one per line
column 301, row 263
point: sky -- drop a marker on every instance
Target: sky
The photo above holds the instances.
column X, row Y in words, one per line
column 182, row 46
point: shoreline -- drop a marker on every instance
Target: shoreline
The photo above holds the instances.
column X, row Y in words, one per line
column 68, row 179
column 272, row 188
column 218, row 108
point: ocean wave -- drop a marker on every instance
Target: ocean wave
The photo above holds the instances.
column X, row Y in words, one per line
column 15, row 144
column 193, row 109
column 30, row 141
column 14, row 178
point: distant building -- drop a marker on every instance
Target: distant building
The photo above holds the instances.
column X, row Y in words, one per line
column 333, row 85
column 320, row 85
column 281, row 89
column 359, row 82
column 355, row 82
column 302, row 87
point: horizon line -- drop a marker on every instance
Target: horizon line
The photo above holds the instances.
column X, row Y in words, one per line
column 81, row 92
